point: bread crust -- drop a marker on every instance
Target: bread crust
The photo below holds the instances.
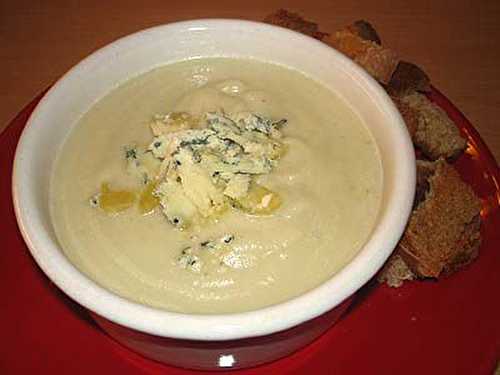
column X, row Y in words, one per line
column 295, row 22
column 365, row 31
column 408, row 78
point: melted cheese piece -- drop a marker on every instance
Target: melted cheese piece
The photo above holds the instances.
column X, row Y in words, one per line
column 328, row 187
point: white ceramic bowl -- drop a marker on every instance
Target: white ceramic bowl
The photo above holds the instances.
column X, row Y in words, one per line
column 81, row 87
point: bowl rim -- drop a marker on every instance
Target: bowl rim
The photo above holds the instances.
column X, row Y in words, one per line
column 230, row 326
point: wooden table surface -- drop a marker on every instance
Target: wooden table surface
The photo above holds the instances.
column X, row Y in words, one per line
column 455, row 41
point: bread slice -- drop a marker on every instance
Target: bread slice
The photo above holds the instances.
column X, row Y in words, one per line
column 410, row 116
column 443, row 232
column 295, row 22
column 431, row 129
column 435, row 135
column 361, row 43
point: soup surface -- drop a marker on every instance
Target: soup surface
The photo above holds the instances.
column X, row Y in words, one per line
column 328, row 181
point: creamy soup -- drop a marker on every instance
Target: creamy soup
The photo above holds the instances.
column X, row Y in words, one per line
column 326, row 190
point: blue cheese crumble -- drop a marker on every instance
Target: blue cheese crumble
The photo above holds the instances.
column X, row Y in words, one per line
column 206, row 255
column 209, row 164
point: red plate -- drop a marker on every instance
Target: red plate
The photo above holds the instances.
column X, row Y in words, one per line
column 446, row 327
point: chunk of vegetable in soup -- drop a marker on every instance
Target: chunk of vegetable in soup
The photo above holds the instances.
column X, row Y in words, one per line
column 261, row 217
